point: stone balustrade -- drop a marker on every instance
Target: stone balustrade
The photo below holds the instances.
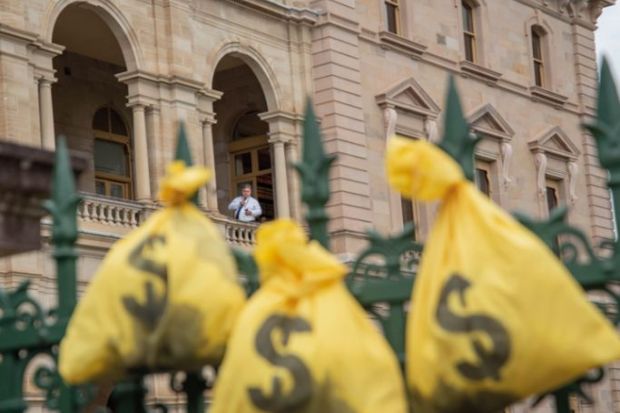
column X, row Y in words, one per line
column 110, row 211
column 127, row 215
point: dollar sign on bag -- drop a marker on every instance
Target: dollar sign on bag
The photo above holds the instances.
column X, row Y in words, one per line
column 490, row 360
column 278, row 402
column 153, row 308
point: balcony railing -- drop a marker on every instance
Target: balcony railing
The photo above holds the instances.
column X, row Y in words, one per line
column 110, row 211
column 129, row 214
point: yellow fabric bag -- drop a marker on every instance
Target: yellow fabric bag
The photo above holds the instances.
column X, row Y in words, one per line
column 495, row 316
column 165, row 296
column 302, row 343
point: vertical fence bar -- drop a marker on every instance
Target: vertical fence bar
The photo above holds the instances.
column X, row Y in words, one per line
column 314, row 174
column 63, row 208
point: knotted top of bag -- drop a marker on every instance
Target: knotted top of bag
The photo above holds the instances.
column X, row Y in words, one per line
column 418, row 169
column 292, row 265
column 181, row 182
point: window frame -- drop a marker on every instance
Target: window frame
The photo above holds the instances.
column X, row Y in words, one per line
column 468, row 14
column 108, row 178
column 253, row 145
column 395, row 4
column 538, row 62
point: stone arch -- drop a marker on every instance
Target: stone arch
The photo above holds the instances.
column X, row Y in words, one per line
column 112, row 16
column 256, row 62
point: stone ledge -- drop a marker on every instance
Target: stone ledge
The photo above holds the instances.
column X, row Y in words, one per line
column 472, row 69
column 400, row 43
column 540, row 94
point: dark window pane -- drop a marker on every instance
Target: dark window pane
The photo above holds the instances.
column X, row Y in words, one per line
column 110, row 157
column 407, row 207
column 264, row 159
column 117, row 190
column 100, row 187
column 538, row 75
column 536, row 48
column 468, row 18
column 482, row 181
column 243, row 163
column 100, row 120
column 264, row 195
column 469, row 48
column 552, row 198
column 117, row 124
column 392, row 17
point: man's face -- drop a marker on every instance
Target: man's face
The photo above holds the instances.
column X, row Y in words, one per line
column 246, row 192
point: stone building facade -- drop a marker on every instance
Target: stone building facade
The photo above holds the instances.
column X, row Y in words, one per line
column 116, row 76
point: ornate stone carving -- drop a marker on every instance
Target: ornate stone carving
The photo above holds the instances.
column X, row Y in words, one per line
column 430, row 129
column 541, row 169
column 506, row 153
column 573, row 170
column 389, row 121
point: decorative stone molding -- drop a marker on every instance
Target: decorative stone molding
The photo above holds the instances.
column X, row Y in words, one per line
column 540, row 160
column 573, row 169
column 390, row 116
column 431, row 130
column 506, row 153
column 487, row 123
column 409, row 96
column 282, row 125
column 555, row 144
column 574, row 8
column 402, row 44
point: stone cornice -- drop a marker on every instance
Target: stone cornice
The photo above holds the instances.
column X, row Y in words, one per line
column 282, row 11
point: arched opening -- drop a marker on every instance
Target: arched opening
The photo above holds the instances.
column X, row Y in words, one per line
column 89, row 102
column 242, row 152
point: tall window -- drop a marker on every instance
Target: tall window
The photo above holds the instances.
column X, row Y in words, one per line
column 552, row 197
column 469, row 31
column 537, row 54
column 481, row 179
column 392, row 16
column 112, row 155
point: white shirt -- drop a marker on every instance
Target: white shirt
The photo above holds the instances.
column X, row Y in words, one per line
column 251, row 205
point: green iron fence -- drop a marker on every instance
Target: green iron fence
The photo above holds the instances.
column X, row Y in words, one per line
column 381, row 277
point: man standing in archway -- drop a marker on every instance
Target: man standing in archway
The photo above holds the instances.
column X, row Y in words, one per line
column 246, row 207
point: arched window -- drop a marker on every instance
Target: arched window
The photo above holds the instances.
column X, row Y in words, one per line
column 112, row 155
column 538, row 55
column 469, row 31
column 392, row 16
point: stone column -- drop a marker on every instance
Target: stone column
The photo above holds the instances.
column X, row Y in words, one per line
column 141, row 156
column 46, row 114
column 207, row 143
column 157, row 167
column 279, row 156
column 293, row 180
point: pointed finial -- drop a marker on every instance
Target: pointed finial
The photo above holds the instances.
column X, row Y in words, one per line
column 64, row 201
column 606, row 127
column 183, row 153
column 458, row 141
column 314, row 174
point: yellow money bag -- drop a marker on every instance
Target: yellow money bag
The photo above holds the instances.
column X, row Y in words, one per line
column 165, row 296
column 302, row 343
column 495, row 316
